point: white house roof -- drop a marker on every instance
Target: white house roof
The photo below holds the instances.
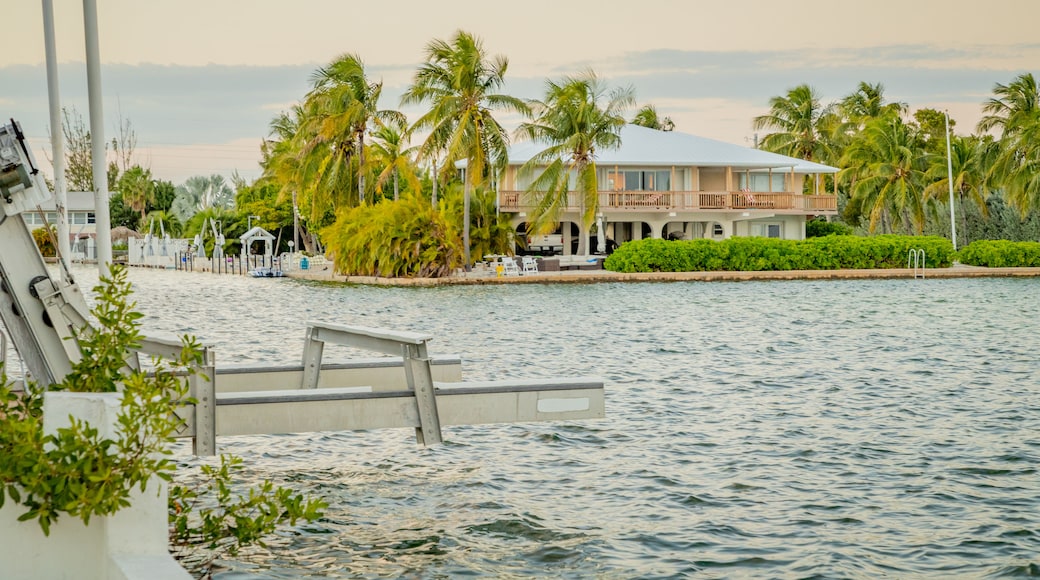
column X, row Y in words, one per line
column 257, row 233
column 649, row 147
column 74, row 201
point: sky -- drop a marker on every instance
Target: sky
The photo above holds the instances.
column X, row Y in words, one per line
column 200, row 80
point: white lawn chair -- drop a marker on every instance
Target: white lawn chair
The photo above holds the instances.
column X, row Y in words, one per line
column 530, row 265
column 509, row 267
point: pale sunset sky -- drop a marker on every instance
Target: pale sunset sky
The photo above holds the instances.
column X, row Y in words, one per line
column 200, row 80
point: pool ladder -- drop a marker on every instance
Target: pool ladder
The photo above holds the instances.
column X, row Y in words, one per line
column 915, row 259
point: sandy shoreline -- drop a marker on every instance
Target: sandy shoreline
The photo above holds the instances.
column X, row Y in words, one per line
column 479, row 277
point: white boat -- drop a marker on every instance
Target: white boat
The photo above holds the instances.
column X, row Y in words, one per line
column 266, row 273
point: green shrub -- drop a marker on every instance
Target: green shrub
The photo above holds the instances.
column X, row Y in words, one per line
column 818, row 228
column 1001, row 254
column 757, row 254
column 78, row 472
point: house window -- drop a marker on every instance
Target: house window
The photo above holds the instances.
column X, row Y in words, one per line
column 768, row 230
column 760, row 182
column 52, row 217
column 640, row 180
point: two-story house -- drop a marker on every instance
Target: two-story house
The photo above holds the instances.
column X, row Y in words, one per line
column 675, row 185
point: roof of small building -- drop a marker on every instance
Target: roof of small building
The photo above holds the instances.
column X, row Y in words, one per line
column 74, row 201
column 257, row 233
column 650, row 147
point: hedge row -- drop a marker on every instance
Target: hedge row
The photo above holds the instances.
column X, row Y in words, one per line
column 1001, row 254
column 755, row 254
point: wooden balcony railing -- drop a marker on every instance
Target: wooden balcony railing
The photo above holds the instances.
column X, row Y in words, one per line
column 512, row 201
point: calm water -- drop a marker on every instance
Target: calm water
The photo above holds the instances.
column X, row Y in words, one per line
column 759, row 429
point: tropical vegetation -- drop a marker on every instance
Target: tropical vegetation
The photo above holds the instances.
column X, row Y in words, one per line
column 833, row 252
column 894, row 175
column 339, row 151
column 576, row 117
column 459, row 81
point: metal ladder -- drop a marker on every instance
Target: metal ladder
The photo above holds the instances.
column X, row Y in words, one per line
column 915, row 260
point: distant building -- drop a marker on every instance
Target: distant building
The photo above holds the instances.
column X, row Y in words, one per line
column 80, row 206
column 81, row 214
column 675, row 185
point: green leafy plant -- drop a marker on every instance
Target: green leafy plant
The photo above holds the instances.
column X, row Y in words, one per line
column 1001, row 254
column 77, row 472
column 237, row 520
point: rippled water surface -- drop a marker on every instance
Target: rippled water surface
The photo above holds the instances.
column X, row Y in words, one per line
column 877, row 428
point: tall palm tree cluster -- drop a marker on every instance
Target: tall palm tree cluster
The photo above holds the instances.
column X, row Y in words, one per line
column 336, row 151
column 894, row 166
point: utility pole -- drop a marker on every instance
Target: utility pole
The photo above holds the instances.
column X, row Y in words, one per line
column 102, row 218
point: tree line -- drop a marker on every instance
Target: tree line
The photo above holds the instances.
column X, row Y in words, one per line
column 338, row 152
column 894, row 173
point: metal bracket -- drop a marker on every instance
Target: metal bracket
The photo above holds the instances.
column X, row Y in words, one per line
column 201, row 417
column 409, row 345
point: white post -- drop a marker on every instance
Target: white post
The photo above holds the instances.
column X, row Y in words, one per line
column 102, row 219
column 57, row 136
column 296, row 223
column 949, row 179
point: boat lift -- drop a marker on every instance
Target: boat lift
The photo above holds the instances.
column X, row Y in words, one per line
column 412, row 390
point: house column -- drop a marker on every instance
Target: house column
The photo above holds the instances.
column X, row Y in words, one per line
column 770, row 180
column 729, row 179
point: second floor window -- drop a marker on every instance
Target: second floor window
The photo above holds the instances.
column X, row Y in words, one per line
column 639, row 180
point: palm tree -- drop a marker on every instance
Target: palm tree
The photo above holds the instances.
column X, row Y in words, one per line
column 798, row 120
column 292, row 172
column 1015, row 109
column 1012, row 107
column 389, row 151
column 970, row 158
column 576, row 118
column 136, row 187
column 885, row 165
column 459, row 82
column 201, row 192
column 344, row 104
column 868, row 102
column 647, row 117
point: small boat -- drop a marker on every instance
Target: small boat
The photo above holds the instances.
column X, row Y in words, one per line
column 266, row 273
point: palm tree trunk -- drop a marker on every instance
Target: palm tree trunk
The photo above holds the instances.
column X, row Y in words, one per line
column 395, row 185
column 964, row 223
column 361, row 168
column 434, row 199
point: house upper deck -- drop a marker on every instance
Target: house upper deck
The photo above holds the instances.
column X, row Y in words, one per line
column 688, row 201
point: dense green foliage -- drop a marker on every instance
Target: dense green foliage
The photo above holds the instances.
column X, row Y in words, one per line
column 757, row 254
column 894, row 175
column 403, row 238
column 821, row 227
column 44, row 238
column 1001, row 254
column 76, row 471
column 409, row 238
column 234, row 520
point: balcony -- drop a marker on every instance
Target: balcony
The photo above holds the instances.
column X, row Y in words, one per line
column 671, row 201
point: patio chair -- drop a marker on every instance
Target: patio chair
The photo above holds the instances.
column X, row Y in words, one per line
column 509, row 267
column 530, row 265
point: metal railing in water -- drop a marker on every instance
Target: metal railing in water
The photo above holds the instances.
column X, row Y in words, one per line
column 915, row 260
